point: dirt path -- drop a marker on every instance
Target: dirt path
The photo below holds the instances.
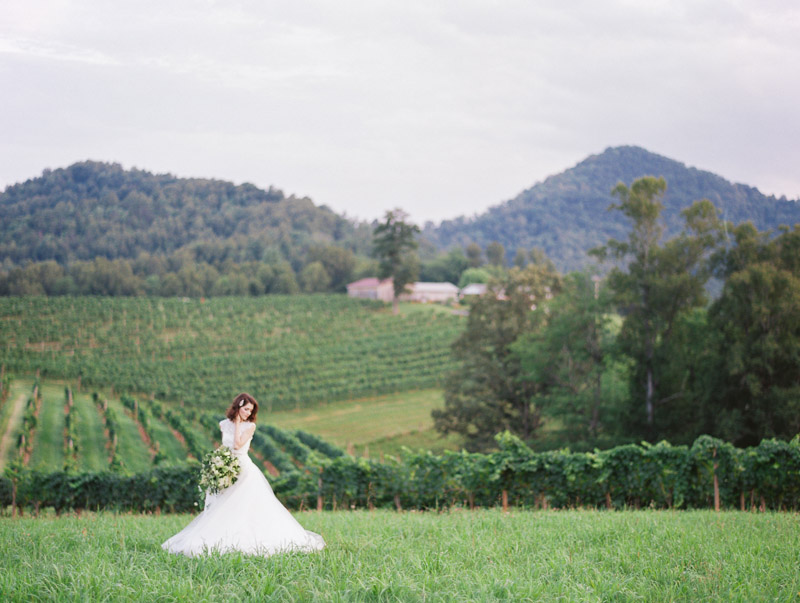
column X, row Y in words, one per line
column 13, row 421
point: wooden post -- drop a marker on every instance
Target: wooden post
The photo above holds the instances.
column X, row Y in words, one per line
column 716, row 482
column 320, row 501
column 397, row 502
column 741, row 500
column 505, row 501
column 608, row 500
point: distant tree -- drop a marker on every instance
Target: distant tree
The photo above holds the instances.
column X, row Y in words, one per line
column 496, row 254
column 445, row 267
column 104, row 277
column 231, row 284
column 487, row 393
column 474, row 255
column 314, row 278
column 338, row 263
column 285, row 281
column 394, row 243
column 473, row 275
column 521, row 258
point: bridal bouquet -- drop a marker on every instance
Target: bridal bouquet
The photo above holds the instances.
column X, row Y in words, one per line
column 219, row 470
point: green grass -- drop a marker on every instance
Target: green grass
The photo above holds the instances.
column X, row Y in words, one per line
column 48, row 440
column 130, row 447
column 168, row 444
column 428, row 439
column 92, row 451
column 386, row 556
column 381, row 424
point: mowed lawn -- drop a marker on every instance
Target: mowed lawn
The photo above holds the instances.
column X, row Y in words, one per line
column 386, row 556
column 377, row 425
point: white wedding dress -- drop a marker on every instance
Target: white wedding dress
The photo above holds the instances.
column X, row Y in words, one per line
column 245, row 517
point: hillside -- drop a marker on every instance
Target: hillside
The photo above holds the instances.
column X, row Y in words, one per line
column 566, row 214
column 67, row 430
column 93, row 209
column 288, row 351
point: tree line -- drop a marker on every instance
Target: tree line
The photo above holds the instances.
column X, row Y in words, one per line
column 642, row 350
column 212, row 270
column 96, row 229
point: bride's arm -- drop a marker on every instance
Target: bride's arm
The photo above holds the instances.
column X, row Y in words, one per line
column 242, row 433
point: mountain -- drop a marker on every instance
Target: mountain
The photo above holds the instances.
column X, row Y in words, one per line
column 566, row 214
column 93, row 209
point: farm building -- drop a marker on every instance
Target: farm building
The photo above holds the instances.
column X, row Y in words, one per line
column 372, row 288
column 474, row 289
column 431, row 292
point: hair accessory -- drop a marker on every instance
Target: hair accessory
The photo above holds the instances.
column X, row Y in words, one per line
column 241, row 402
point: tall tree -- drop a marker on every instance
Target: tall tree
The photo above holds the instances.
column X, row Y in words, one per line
column 394, row 244
column 661, row 283
column 571, row 359
column 755, row 392
column 474, row 255
column 486, row 394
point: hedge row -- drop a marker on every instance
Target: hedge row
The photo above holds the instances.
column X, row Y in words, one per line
column 707, row 474
column 167, row 489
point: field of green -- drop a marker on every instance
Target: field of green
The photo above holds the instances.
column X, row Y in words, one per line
column 106, row 429
column 388, row 556
column 374, row 426
column 290, row 352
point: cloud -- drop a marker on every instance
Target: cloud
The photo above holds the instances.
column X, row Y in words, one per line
column 440, row 107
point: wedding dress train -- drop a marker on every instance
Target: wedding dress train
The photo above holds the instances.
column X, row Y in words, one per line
column 245, row 517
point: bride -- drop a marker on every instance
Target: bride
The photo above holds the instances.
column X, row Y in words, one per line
column 247, row 516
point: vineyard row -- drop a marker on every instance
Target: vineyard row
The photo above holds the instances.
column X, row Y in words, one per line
column 710, row 473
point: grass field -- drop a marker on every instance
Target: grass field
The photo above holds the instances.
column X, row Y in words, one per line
column 387, row 556
column 382, row 424
column 48, row 442
column 92, row 441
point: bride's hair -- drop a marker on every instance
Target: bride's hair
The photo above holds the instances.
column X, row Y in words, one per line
column 240, row 401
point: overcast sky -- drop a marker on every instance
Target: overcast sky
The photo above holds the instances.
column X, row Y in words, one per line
column 441, row 108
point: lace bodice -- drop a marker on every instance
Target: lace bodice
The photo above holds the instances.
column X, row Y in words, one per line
column 228, row 429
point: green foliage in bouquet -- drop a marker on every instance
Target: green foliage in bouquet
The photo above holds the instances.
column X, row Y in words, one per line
column 219, row 470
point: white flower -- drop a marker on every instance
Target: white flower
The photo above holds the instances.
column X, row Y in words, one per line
column 220, row 469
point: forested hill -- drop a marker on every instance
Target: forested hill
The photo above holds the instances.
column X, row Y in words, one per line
column 566, row 214
column 92, row 209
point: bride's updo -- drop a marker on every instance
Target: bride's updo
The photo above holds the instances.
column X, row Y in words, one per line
column 239, row 401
